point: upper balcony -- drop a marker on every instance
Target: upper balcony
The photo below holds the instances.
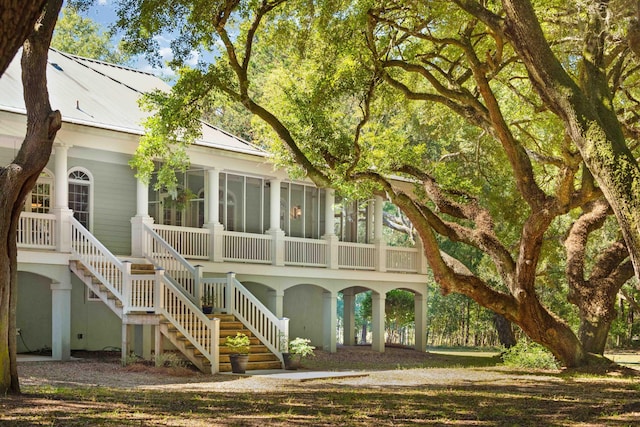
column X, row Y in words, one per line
column 41, row 231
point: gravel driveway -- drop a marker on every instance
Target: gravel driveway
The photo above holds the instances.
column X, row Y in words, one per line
column 372, row 369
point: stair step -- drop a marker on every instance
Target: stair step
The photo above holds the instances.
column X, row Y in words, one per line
column 251, row 366
column 142, row 269
column 254, row 357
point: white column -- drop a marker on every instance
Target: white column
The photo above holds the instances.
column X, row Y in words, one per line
column 329, row 229
column 142, row 198
column 274, row 204
column 377, row 220
column 212, row 215
column 330, row 321
column 348, row 316
column 141, row 219
column 421, row 321
column 61, row 199
column 61, row 188
column 329, row 216
column 378, row 241
column 61, row 318
column 212, row 196
column 377, row 320
column 277, row 235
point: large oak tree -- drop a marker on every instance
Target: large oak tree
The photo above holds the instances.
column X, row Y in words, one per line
column 515, row 125
column 26, row 24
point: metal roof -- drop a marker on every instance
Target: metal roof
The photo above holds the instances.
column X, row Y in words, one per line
column 102, row 95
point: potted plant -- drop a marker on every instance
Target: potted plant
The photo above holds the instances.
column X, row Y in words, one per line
column 297, row 349
column 239, row 356
column 208, row 301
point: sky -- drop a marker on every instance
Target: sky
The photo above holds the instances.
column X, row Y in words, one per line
column 103, row 12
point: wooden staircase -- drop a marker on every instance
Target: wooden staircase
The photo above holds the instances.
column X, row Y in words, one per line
column 259, row 356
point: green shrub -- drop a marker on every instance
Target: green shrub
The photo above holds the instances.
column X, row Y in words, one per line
column 529, row 355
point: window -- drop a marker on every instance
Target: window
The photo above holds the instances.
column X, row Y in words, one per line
column 80, row 196
column 40, row 198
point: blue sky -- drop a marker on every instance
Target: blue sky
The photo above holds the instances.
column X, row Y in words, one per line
column 103, row 12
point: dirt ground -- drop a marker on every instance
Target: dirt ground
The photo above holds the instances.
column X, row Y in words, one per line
column 397, row 387
column 396, row 366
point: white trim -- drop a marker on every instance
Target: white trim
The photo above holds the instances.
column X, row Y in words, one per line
column 91, row 184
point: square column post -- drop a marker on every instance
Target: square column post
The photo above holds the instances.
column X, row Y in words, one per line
column 377, row 320
column 61, row 318
column 142, row 218
column 276, row 302
column 378, row 240
column 212, row 215
column 277, row 235
column 330, row 321
column 61, row 199
column 421, row 321
column 348, row 316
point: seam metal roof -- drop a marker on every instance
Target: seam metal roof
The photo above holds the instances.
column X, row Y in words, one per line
column 102, row 95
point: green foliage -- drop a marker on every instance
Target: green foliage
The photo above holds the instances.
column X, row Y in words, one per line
column 529, row 355
column 239, row 343
column 83, row 37
column 301, row 346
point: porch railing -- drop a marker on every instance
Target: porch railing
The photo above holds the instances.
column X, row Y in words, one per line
column 245, row 247
column 357, row 256
column 233, row 246
column 179, row 270
column 402, row 259
column 305, row 252
column 37, row 230
column 191, row 242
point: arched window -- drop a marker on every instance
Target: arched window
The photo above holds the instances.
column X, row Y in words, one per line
column 81, row 196
column 40, row 199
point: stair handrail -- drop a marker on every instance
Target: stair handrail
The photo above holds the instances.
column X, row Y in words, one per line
column 86, row 248
column 187, row 271
column 171, row 302
column 244, row 305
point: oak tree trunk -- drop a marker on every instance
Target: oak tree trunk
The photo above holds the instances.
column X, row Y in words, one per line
column 17, row 179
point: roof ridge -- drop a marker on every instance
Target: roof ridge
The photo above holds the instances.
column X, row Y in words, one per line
column 82, row 59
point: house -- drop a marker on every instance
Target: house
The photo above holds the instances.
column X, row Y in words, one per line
column 107, row 262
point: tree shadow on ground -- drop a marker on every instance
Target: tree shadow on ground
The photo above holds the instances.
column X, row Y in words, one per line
column 526, row 403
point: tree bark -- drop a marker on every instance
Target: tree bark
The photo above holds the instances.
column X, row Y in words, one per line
column 589, row 120
column 17, row 20
column 505, row 331
column 17, row 179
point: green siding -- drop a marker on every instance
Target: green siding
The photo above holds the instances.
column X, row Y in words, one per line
column 114, row 202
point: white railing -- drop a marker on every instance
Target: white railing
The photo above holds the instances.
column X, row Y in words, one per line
column 152, row 293
column 306, row 252
column 402, row 259
column 357, row 256
column 258, row 319
column 245, row 247
column 202, row 332
column 140, row 291
column 97, row 259
column 36, row 230
column 178, row 269
column 189, row 242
